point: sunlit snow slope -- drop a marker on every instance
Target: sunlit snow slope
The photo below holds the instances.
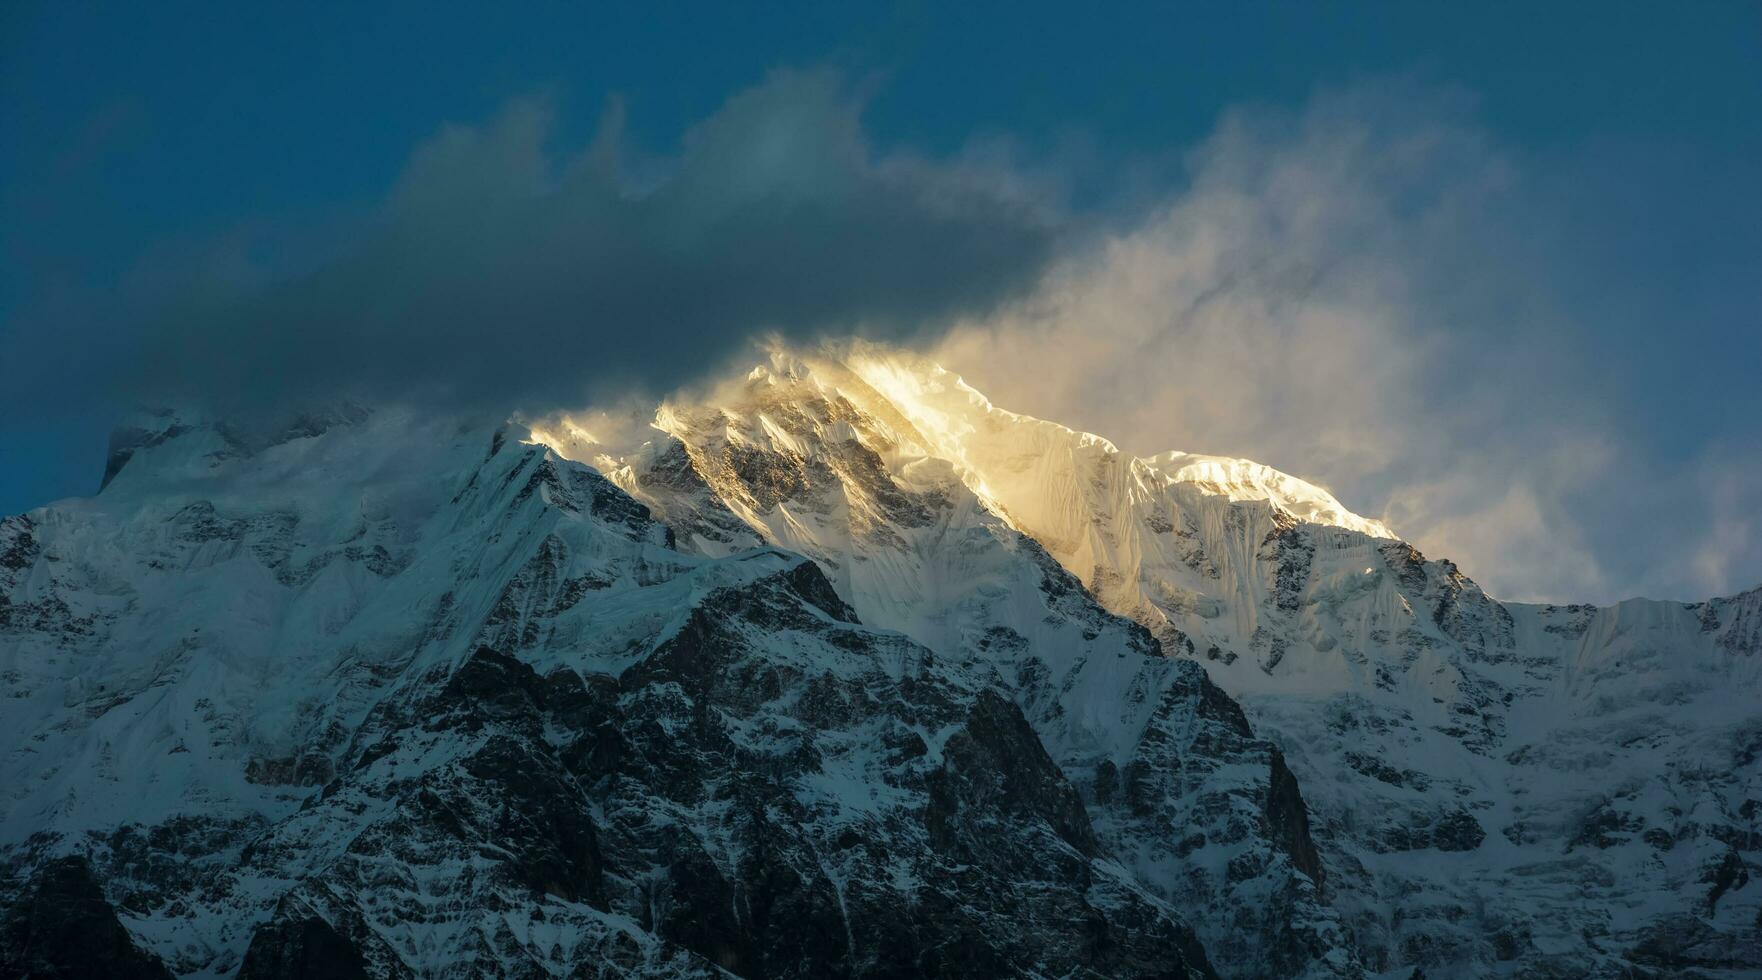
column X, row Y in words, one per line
column 1500, row 786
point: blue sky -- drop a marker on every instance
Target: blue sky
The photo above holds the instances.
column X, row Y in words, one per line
column 133, row 139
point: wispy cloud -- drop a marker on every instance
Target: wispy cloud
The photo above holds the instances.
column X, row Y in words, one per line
column 1360, row 293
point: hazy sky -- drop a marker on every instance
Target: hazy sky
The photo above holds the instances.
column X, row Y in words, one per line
column 1492, row 272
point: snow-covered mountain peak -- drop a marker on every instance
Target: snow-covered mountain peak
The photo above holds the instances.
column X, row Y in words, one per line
column 1155, row 539
column 1242, row 479
column 963, row 421
column 1436, row 723
column 924, row 409
column 153, row 448
column 829, row 661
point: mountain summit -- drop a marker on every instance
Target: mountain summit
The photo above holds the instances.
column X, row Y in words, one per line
column 832, row 669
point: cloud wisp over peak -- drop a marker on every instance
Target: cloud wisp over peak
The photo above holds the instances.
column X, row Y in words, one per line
column 1368, row 292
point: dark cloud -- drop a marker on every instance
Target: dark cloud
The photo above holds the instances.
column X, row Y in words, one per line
column 503, row 272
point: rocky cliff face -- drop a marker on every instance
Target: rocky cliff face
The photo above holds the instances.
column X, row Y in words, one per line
column 835, row 671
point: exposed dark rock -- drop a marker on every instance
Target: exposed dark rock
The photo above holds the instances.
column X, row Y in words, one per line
column 996, row 764
column 293, row 946
column 59, row 926
column 1287, row 819
column 1731, row 872
column 1605, row 827
column 1294, row 553
column 128, row 440
column 1453, row 829
column 1679, row 944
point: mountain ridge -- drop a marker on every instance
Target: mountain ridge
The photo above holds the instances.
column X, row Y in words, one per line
column 1010, row 644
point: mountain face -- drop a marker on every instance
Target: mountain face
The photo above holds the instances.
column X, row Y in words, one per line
column 834, row 670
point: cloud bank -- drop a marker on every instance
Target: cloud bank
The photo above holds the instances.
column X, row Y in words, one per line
column 502, row 271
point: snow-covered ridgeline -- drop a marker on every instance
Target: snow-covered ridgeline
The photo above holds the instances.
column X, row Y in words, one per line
column 1456, row 746
column 447, row 696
